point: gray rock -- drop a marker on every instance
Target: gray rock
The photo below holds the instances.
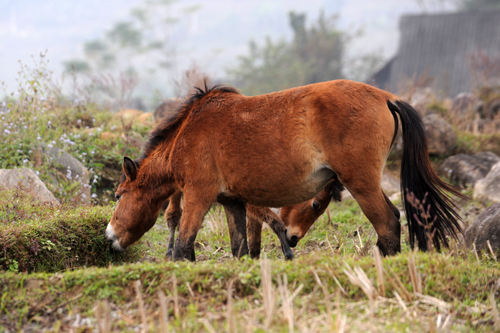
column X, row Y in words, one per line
column 391, row 186
column 485, row 228
column 493, row 109
column 72, row 168
column 31, row 184
column 488, row 189
column 463, row 103
column 441, row 137
column 467, row 170
column 420, row 99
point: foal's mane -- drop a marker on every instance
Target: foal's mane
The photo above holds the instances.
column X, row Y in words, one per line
column 169, row 124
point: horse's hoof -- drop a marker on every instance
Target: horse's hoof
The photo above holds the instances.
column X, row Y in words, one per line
column 289, row 255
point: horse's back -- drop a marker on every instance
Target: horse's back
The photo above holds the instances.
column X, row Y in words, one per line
column 283, row 147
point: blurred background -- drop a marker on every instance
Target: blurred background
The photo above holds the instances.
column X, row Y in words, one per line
column 143, row 50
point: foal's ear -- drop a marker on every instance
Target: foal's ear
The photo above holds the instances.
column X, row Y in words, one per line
column 130, row 168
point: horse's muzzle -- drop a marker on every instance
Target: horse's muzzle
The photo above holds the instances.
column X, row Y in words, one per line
column 111, row 237
column 291, row 240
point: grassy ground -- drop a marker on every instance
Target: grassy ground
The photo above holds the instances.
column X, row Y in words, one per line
column 334, row 284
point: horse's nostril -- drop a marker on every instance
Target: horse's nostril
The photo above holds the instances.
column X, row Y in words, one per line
column 294, row 239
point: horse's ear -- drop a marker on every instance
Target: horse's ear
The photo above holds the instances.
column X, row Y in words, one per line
column 130, row 168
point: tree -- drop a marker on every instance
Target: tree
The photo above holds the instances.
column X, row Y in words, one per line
column 147, row 32
column 315, row 54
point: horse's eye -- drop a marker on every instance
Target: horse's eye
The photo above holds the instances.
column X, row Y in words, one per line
column 315, row 205
column 117, row 197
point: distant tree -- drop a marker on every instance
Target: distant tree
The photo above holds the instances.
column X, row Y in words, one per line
column 315, row 54
column 147, row 32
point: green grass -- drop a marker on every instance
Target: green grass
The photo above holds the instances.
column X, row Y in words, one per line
column 36, row 238
column 455, row 286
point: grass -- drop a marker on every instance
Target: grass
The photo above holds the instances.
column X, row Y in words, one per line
column 46, row 238
column 335, row 283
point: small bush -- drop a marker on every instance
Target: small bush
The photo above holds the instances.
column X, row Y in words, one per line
column 36, row 237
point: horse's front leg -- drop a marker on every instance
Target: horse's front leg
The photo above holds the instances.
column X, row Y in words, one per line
column 193, row 213
column 173, row 216
column 237, row 223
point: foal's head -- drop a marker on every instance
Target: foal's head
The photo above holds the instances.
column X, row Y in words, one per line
column 300, row 217
column 137, row 207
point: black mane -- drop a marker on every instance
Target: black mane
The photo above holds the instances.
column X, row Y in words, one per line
column 169, row 124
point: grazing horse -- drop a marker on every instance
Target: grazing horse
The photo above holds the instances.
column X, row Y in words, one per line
column 300, row 217
column 280, row 149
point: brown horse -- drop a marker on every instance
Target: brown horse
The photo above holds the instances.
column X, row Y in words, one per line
column 280, row 149
column 300, row 217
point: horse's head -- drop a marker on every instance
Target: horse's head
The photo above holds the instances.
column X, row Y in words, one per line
column 137, row 207
column 300, row 217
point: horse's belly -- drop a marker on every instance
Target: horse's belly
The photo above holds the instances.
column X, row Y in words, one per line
column 291, row 193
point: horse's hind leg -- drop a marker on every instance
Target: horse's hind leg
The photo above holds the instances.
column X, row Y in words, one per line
column 394, row 209
column 382, row 215
column 173, row 215
column 236, row 221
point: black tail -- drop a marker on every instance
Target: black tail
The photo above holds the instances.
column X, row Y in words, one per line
column 418, row 179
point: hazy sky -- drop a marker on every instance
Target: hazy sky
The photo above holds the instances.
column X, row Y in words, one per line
column 214, row 36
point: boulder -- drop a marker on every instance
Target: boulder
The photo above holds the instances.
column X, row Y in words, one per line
column 166, row 108
column 463, row 103
column 30, row 183
column 127, row 115
column 70, row 167
column 488, row 189
column 485, row 228
column 441, row 137
column 420, row 99
column 493, row 109
column 466, row 170
column 391, row 186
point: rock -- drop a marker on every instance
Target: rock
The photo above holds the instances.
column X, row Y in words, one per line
column 72, row 168
column 493, row 109
column 488, row 189
column 146, row 119
column 466, row 170
column 420, row 99
column 128, row 115
column 441, row 137
column 462, row 104
column 485, row 228
column 391, row 186
column 31, row 184
column 166, row 108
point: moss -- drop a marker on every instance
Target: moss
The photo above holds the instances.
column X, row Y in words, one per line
column 36, row 237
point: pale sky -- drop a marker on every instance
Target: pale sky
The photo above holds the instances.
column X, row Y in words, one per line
column 218, row 32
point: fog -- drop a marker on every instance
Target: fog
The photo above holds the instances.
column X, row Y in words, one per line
column 212, row 36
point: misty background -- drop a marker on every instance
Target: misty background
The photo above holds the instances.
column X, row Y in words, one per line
column 149, row 46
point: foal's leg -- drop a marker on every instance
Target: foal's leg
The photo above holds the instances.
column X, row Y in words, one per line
column 254, row 231
column 193, row 213
column 265, row 214
column 236, row 221
column 173, row 216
